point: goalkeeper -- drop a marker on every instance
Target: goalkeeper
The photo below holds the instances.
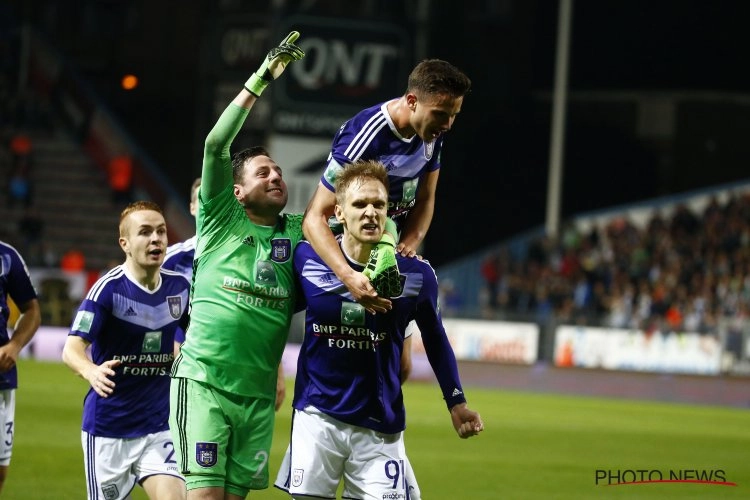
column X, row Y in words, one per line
column 223, row 387
column 406, row 135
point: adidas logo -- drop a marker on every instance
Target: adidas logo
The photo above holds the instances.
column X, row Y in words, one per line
column 456, row 392
column 130, row 312
column 249, row 240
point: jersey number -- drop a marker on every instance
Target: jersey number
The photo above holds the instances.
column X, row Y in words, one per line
column 9, row 433
column 395, row 470
column 169, row 459
column 262, row 455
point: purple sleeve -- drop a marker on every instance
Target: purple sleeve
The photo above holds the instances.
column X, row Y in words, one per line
column 89, row 320
column 19, row 282
column 439, row 351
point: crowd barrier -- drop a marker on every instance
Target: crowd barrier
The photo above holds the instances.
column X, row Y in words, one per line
column 517, row 343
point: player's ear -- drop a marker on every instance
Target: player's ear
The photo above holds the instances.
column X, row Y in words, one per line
column 411, row 101
column 338, row 212
column 124, row 244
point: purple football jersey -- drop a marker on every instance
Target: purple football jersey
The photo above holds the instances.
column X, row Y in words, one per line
column 350, row 361
column 126, row 321
column 371, row 135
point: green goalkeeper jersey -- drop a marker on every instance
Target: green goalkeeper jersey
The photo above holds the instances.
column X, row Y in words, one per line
column 244, row 287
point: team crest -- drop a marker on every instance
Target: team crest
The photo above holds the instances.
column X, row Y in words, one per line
column 206, row 454
column 409, row 191
column 297, row 475
column 175, row 306
column 281, row 249
column 151, row 342
column 110, row 491
column 352, row 313
column 429, row 149
column 265, row 273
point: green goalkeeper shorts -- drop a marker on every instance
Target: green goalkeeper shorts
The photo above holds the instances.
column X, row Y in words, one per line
column 221, row 439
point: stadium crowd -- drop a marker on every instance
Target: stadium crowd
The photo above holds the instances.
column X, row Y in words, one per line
column 684, row 272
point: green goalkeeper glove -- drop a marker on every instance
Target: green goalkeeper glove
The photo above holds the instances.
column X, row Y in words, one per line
column 382, row 268
column 274, row 64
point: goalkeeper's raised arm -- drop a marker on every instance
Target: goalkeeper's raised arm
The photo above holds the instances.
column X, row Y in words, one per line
column 242, row 301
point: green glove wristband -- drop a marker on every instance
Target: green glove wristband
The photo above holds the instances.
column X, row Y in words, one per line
column 388, row 239
column 389, row 235
column 256, row 85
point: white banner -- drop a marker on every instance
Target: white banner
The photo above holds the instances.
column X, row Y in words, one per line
column 617, row 349
column 493, row 341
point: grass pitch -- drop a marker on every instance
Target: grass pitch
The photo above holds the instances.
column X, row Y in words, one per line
column 535, row 446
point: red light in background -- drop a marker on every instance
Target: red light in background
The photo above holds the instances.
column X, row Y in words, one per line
column 129, row 82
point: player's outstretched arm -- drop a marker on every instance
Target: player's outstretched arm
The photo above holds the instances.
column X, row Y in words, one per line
column 466, row 422
column 217, row 167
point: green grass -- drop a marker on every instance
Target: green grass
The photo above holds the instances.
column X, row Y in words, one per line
column 535, row 446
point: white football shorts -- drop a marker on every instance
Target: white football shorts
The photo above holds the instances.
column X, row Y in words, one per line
column 373, row 465
column 115, row 465
column 7, row 419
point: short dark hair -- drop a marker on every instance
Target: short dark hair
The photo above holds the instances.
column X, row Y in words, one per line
column 239, row 159
column 435, row 77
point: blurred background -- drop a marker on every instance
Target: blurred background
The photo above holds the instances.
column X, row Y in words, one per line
column 104, row 101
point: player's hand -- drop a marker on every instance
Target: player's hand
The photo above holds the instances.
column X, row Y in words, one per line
column 382, row 270
column 406, row 251
column 466, row 422
column 98, row 377
column 363, row 292
column 274, row 64
column 8, row 358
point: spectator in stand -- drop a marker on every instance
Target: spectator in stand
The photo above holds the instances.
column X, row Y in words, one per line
column 20, row 149
column 680, row 272
column 450, row 299
column 120, row 176
column 20, row 188
column 31, row 229
column 491, row 276
column 73, row 261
